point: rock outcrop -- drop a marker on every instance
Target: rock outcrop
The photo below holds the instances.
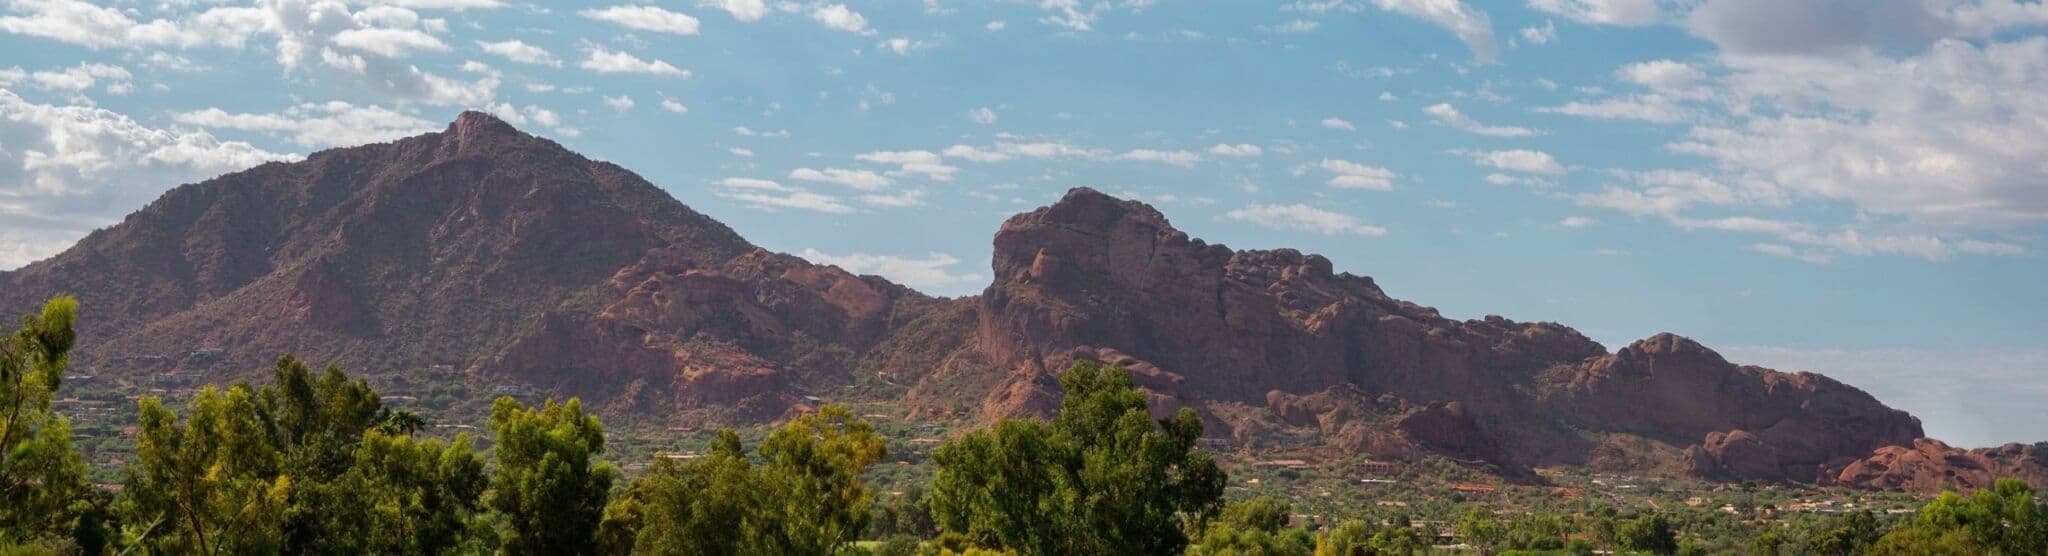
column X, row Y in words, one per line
column 507, row 256
column 1928, row 466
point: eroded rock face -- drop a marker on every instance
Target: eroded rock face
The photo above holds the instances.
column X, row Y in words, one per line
column 506, row 255
column 1928, row 466
column 1746, row 422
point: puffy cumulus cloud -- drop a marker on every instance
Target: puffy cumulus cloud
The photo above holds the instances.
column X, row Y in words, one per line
column 519, row 51
column 1520, row 160
column 743, row 10
column 769, row 195
column 1841, row 26
column 1303, row 218
column 1345, row 174
column 644, row 18
column 325, row 39
column 1071, row 15
column 1338, row 123
column 1540, row 35
column 672, row 105
column 1470, row 25
column 934, row 270
column 838, row 17
column 609, row 61
column 82, row 23
column 920, row 163
column 68, row 169
column 620, row 103
column 1663, row 75
column 1238, row 150
column 858, row 179
column 1604, row 12
column 316, row 125
column 116, row 79
column 1931, row 137
column 1450, row 116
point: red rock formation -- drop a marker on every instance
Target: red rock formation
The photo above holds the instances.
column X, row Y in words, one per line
column 525, row 263
column 1928, row 466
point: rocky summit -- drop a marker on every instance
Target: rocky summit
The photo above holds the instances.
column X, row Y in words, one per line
column 506, row 256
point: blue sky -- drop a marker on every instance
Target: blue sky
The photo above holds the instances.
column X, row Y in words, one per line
column 1850, row 187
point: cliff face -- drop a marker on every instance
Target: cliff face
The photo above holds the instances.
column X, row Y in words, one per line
column 507, row 256
column 1204, row 326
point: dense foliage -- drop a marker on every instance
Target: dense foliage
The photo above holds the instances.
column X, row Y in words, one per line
column 1101, row 478
column 315, row 463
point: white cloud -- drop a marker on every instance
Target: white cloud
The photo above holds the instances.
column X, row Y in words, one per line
column 745, row 131
column 83, row 76
column 1292, row 26
column 607, row 61
column 1450, row 116
column 740, row 151
column 316, row 125
column 1304, row 218
column 1662, row 75
column 65, row 170
column 901, row 46
column 983, row 115
column 1177, row 158
column 1837, row 27
column 645, row 18
column 769, row 195
column 620, row 103
column 1345, row 174
column 1540, row 35
column 839, row 17
column 389, row 43
column 858, row 179
column 1604, row 12
column 1652, row 108
column 671, row 105
column 931, row 271
column 1070, row 15
column 1932, row 138
column 743, row 10
column 1575, row 222
column 996, row 25
column 920, row 163
column 1520, row 160
column 1241, row 149
column 1470, row 25
column 1335, row 123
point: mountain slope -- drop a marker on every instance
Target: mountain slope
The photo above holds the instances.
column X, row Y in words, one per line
column 507, row 256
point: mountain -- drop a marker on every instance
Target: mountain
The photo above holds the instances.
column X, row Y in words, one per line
column 519, row 262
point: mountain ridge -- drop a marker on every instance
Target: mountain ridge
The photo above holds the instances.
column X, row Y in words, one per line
column 505, row 255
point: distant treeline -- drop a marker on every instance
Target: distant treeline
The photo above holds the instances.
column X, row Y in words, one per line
column 314, row 463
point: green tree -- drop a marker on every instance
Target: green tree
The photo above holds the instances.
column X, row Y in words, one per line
column 1479, row 528
column 908, row 514
column 296, row 467
column 806, row 497
column 1349, row 538
column 1254, row 528
column 1650, row 534
column 41, row 475
column 2003, row 519
column 1843, row 535
column 1101, row 478
column 550, row 484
